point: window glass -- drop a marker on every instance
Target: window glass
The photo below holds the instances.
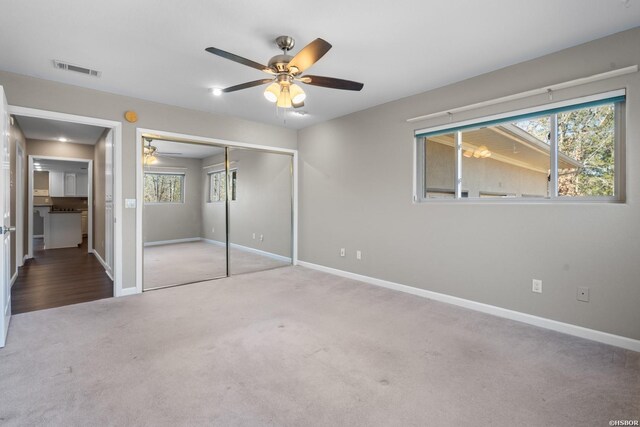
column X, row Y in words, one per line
column 507, row 159
column 439, row 167
column 163, row 188
column 512, row 157
column 586, row 148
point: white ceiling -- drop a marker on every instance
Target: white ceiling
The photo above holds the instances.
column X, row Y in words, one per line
column 61, row 165
column 396, row 49
column 45, row 129
column 186, row 150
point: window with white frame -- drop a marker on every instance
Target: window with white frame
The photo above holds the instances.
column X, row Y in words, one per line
column 218, row 185
column 161, row 187
column 567, row 151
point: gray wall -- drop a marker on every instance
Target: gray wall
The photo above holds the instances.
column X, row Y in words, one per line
column 37, row 93
column 176, row 220
column 37, row 147
column 262, row 206
column 356, row 192
column 41, row 180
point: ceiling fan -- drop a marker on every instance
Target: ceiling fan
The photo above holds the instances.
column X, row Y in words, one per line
column 286, row 70
column 151, row 153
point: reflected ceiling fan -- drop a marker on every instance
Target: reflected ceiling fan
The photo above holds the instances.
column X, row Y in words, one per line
column 285, row 70
column 151, row 153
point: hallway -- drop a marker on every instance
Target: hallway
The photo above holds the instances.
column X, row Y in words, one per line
column 58, row 277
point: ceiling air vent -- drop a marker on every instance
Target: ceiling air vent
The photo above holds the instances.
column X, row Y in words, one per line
column 78, row 69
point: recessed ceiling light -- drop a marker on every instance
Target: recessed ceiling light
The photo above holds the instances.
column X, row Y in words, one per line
column 62, row 139
column 216, row 91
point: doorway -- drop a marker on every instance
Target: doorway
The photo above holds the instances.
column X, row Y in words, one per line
column 66, row 176
column 211, row 209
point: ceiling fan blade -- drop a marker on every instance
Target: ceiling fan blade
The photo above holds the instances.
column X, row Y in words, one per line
column 309, row 55
column 300, row 105
column 247, row 85
column 332, row 82
column 239, row 59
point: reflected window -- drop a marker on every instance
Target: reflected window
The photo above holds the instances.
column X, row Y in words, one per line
column 163, row 187
column 218, row 185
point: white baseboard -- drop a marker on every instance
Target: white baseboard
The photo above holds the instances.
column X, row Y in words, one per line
column 172, row 242
column 13, row 278
column 252, row 250
column 25, row 258
column 104, row 264
column 566, row 328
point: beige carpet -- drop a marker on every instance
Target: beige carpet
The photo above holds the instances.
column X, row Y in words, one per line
column 180, row 263
column 295, row 347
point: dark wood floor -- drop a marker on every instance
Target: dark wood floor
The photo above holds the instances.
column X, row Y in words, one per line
column 57, row 277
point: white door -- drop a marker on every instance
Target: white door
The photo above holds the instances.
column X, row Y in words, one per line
column 108, row 202
column 5, row 237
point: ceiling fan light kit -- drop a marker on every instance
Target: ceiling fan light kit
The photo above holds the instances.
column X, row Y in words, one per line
column 286, row 70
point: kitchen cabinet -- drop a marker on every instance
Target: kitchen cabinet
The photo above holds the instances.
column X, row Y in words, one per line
column 69, row 184
column 56, row 184
column 84, row 217
column 82, row 185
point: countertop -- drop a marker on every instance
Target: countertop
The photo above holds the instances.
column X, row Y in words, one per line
column 64, row 212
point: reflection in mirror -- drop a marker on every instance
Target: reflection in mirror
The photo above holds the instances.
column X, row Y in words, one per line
column 507, row 159
column 260, row 210
column 180, row 245
column 439, row 167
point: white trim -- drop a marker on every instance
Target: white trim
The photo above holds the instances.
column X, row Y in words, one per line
column 19, row 235
column 128, row 291
column 183, row 137
column 211, row 141
column 554, row 325
column 530, row 110
column 171, row 242
column 116, row 127
column 34, row 236
column 533, row 92
column 25, row 258
column 13, row 278
column 103, row 262
column 249, row 249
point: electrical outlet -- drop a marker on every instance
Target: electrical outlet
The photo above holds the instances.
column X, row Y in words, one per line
column 343, row 251
column 253, row 236
column 358, row 254
column 583, row 294
column 213, row 230
column 262, row 237
column 536, row 286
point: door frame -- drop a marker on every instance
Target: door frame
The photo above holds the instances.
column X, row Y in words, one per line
column 212, row 141
column 116, row 126
column 20, row 255
column 89, row 163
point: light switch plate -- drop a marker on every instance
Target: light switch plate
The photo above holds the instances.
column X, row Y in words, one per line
column 130, row 203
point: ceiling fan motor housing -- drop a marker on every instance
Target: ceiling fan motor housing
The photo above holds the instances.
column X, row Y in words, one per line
column 285, row 43
column 280, row 63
